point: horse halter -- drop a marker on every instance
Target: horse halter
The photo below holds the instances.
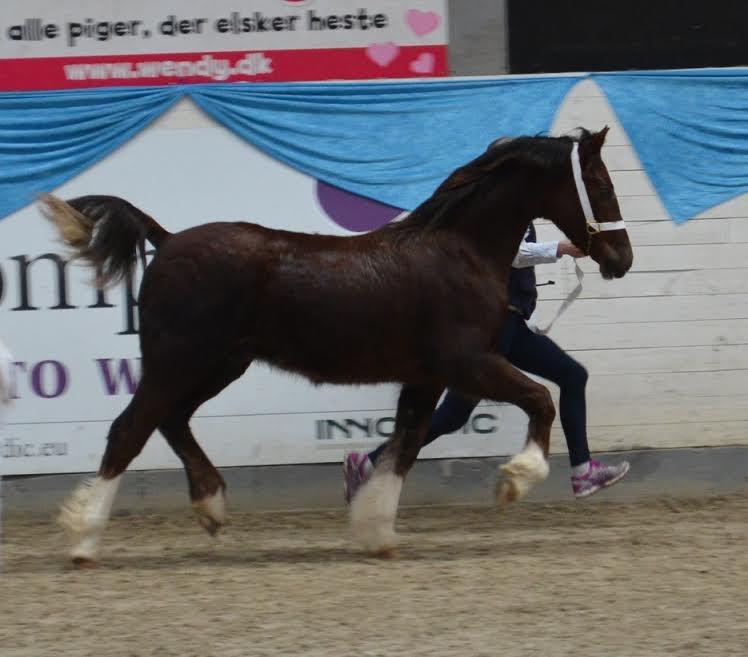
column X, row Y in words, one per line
column 593, row 228
column 593, row 225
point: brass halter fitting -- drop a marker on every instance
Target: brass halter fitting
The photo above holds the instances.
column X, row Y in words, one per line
column 591, row 230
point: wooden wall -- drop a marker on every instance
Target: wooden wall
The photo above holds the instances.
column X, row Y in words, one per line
column 666, row 346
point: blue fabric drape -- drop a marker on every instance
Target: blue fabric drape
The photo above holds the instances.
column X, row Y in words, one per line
column 47, row 138
column 390, row 142
column 395, row 142
column 690, row 131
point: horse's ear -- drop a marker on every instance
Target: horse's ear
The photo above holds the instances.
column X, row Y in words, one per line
column 592, row 144
column 600, row 136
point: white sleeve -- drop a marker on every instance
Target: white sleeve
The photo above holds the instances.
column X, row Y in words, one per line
column 535, row 253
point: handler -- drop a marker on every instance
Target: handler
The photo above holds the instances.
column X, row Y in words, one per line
column 532, row 353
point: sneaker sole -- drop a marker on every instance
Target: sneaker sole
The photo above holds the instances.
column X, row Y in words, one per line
column 607, row 484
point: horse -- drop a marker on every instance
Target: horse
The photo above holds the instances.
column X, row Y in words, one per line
column 425, row 298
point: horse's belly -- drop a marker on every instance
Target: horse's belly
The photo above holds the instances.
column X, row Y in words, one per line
column 357, row 357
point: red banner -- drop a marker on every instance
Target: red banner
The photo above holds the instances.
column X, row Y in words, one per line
column 381, row 60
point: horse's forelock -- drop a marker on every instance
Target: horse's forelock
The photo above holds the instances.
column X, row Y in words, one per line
column 499, row 142
column 578, row 134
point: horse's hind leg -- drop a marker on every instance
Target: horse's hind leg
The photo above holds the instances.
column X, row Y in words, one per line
column 374, row 507
column 86, row 512
column 207, row 487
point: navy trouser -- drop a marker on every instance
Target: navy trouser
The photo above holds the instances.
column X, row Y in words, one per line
column 535, row 354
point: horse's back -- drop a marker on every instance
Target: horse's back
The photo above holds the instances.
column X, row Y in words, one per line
column 217, row 279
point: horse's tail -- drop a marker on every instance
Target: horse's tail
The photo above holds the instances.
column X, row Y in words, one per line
column 105, row 231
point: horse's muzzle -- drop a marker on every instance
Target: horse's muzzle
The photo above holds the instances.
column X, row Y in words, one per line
column 616, row 262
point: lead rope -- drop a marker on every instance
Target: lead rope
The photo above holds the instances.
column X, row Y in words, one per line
column 570, row 298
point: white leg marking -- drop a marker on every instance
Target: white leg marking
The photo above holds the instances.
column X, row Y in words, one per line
column 523, row 471
column 373, row 511
column 86, row 512
column 211, row 510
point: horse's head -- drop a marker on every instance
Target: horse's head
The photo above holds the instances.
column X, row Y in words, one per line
column 519, row 178
column 585, row 207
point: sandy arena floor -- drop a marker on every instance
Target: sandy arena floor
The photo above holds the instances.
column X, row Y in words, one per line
column 665, row 578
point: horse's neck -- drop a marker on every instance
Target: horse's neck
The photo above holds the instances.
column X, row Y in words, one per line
column 496, row 228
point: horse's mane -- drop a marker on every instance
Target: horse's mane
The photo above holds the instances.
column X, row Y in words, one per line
column 502, row 157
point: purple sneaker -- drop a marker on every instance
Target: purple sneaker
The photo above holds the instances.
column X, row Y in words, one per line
column 598, row 476
column 357, row 467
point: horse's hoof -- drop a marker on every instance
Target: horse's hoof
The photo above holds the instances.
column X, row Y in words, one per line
column 83, row 563
column 211, row 511
column 210, row 525
column 385, row 553
column 507, row 492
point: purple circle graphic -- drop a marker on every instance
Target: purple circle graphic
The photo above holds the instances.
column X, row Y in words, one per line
column 353, row 212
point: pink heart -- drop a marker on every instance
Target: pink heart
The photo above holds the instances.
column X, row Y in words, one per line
column 424, row 64
column 382, row 54
column 422, row 22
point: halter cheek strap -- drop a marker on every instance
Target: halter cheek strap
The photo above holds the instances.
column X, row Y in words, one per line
column 593, row 225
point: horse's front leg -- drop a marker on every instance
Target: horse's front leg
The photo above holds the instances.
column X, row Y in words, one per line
column 491, row 376
column 374, row 507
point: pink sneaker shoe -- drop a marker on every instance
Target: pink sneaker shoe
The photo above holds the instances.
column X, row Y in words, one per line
column 598, row 476
column 357, row 467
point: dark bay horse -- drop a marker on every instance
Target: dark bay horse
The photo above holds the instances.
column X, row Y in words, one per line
column 425, row 298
